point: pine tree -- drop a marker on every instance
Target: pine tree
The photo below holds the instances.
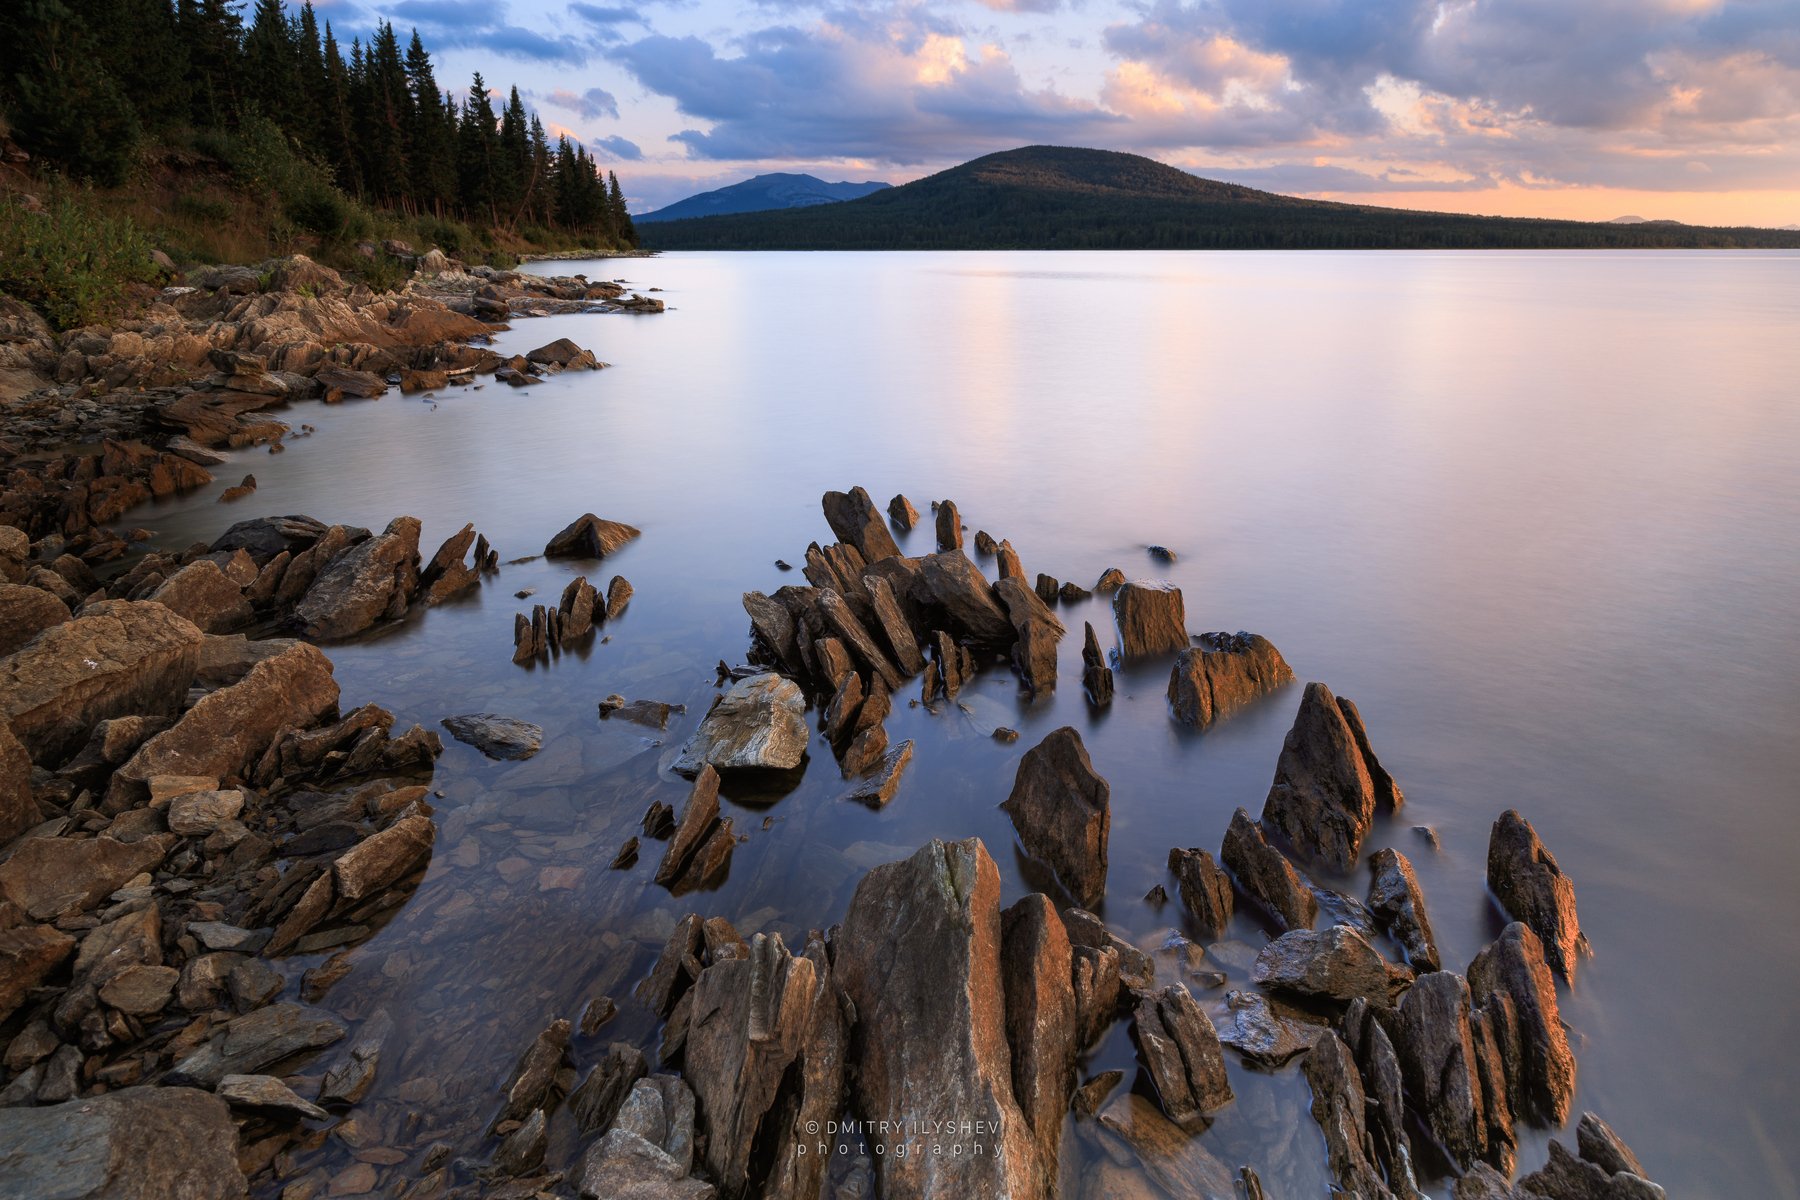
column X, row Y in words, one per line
column 66, row 106
column 433, row 153
column 619, row 217
column 477, row 149
column 271, row 62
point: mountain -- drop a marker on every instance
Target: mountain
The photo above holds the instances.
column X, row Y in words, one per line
column 1058, row 197
column 1628, row 220
column 761, row 194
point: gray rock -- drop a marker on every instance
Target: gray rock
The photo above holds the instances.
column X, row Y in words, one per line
column 371, row 581
column 1181, row 1049
column 759, row 722
column 495, row 736
column 248, row 1044
column 1334, row 964
column 1260, row 1034
column 1338, row 1105
column 140, row 1143
column 267, row 1094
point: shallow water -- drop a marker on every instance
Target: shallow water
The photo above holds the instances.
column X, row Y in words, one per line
column 1538, row 515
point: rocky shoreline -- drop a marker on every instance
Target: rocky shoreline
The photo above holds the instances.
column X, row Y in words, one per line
column 185, row 805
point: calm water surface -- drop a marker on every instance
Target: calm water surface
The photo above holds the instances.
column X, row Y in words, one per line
column 1539, row 515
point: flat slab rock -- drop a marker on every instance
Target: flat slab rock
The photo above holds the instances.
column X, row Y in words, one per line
column 759, row 723
column 496, row 736
column 141, row 1143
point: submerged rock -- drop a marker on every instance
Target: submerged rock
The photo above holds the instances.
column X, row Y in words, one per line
column 1525, row 879
column 505, row 738
column 759, row 722
column 1324, row 796
column 1062, row 810
column 587, row 536
column 1224, row 673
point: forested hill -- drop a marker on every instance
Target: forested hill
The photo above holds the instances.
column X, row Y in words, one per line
column 1056, row 198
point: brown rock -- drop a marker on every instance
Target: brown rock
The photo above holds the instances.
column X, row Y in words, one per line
column 683, row 867
column 1181, row 1049
column 1151, row 619
column 1335, row 964
column 1323, row 798
column 1062, row 810
column 1266, row 876
column 1437, row 1055
column 1338, row 1105
column 618, row 595
column 1511, row 982
column 877, row 787
column 894, row 625
column 842, row 621
column 370, row 581
column 139, row 1143
column 589, row 537
column 383, row 859
column 1036, row 977
column 853, row 518
column 949, row 526
column 1096, row 676
column 1205, row 889
column 1524, row 877
column 535, row 1073
column 118, row 658
column 902, row 512
column 956, row 585
column 917, row 955
column 50, row 874
column 26, row 612
column 28, row 953
column 1225, row 672
column 18, row 810
column 228, row 730
column 1398, row 902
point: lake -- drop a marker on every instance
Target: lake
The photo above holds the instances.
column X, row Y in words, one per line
column 1537, row 514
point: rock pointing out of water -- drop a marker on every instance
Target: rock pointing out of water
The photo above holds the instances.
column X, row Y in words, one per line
column 1333, row 964
column 854, row 518
column 1524, row 877
column 496, row 736
column 1151, row 619
column 760, row 722
column 1224, row 673
column 589, row 537
column 1062, row 809
column 1398, row 902
column 367, row 583
column 919, row 957
column 1325, row 792
column 1181, row 1048
column 1511, row 982
column 1266, row 876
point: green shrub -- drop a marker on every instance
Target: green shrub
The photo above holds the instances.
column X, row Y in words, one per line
column 70, row 261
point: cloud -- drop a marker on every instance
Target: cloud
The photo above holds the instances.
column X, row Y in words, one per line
column 590, row 105
column 483, row 25
column 896, row 85
column 619, row 148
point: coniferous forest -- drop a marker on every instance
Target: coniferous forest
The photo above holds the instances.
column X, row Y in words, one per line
column 192, row 109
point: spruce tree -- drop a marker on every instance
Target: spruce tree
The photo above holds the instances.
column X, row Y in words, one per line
column 477, row 147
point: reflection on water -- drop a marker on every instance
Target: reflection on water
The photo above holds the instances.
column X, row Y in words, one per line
column 1538, row 515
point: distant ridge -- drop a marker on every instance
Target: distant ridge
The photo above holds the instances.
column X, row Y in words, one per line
column 760, row 194
column 1058, row 197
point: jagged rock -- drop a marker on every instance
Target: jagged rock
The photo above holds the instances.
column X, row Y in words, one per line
column 447, row 574
column 597, row 1101
column 894, row 625
column 1262, row 1035
column 26, row 612
column 1062, row 810
column 984, row 542
column 266, row 1094
column 1225, row 672
column 1094, row 973
column 1151, row 1156
column 504, row 738
column 267, row 537
column 1036, row 977
column 1096, row 676
column 759, row 722
column 956, row 585
column 1511, row 982
column 118, row 658
column 649, row 1154
column 878, row 787
column 1151, row 619
column 522, row 1151
column 1335, row 963
column 371, row 581
column 1006, row 562
column 1599, row 1145
column 50, row 875
column 1437, row 1055
column 589, row 537
column 1324, row 795
column 139, row 1143
column 618, row 595
column 1266, row 876
column 949, row 525
column 200, row 813
column 248, row 1044
column 225, row 734
column 346, row 383
column 1398, row 902
column 1338, row 1105
column 702, row 841
column 1482, row 1182
column 902, row 512
column 1364, row 1030
column 1566, row 1177
column 1137, row 970
column 1181, row 1049
column 854, row 519
column 1524, row 877
column 1205, row 889
column 748, row 1024
column 1038, row 631
column 576, row 609
column 917, row 956
column 842, row 621
column 383, row 859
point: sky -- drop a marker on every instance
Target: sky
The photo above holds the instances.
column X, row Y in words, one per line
column 1678, row 109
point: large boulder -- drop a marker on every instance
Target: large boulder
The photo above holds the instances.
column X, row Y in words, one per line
column 854, row 519
column 120, row 657
column 205, row 595
column 228, row 730
column 372, row 580
column 1151, row 619
column 955, row 584
column 1181, row 1048
column 1325, row 791
column 587, row 536
column 918, row 955
column 1062, row 809
column 1332, row 964
column 1525, row 879
column 1266, row 876
column 759, row 722
column 1036, row 977
column 26, row 612
column 1225, row 672
column 141, row 1143
column 52, row 874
